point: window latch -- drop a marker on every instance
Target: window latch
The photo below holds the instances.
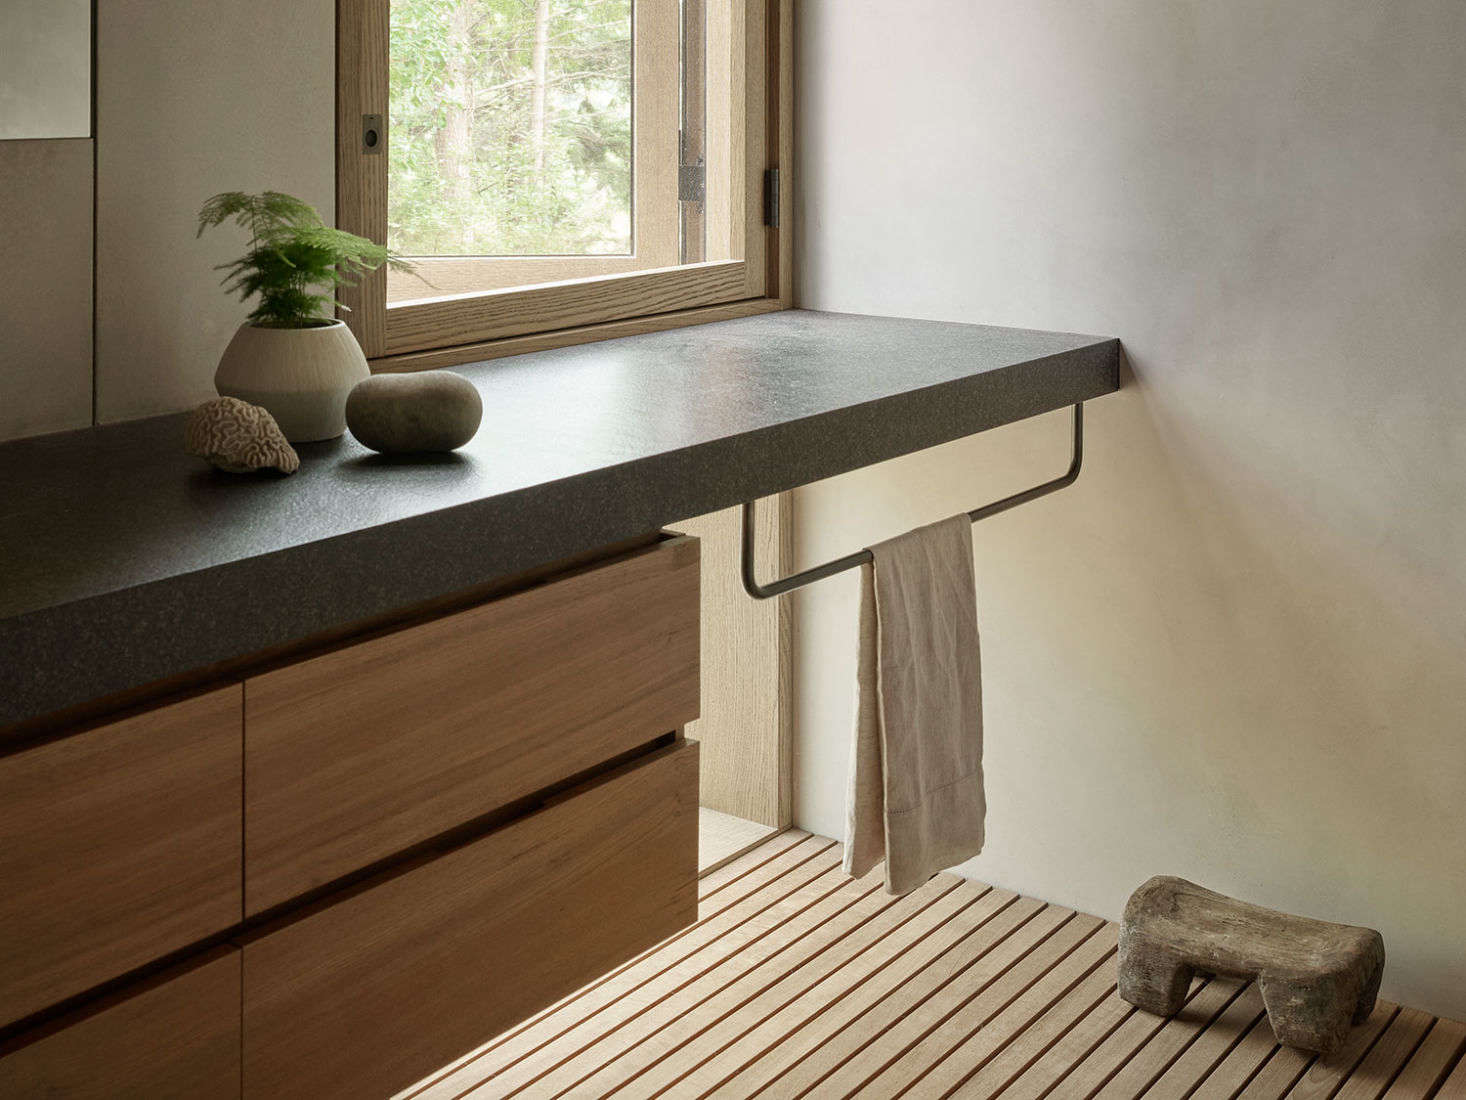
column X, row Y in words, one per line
column 371, row 134
column 771, row 198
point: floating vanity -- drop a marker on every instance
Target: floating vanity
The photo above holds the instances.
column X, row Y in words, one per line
column 310, row 785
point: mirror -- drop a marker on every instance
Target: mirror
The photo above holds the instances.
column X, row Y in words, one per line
column 45, row 68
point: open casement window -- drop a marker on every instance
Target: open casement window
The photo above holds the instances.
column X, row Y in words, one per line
column 560, row 170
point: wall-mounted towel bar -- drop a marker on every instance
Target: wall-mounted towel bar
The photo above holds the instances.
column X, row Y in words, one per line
column 860, row 557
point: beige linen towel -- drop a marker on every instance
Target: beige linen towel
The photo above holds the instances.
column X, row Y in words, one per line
column 916, row 792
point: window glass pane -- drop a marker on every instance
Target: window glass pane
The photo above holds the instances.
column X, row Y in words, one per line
column 510, row 127
column 534, row 141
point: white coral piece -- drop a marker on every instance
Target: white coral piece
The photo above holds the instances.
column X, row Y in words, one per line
column 239, row 437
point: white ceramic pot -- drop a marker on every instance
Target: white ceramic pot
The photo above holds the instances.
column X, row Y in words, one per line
column 301, row 375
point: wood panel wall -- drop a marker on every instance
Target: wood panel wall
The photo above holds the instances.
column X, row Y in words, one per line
column 744, row 728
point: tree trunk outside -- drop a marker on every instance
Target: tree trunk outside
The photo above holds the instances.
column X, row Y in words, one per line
column 537, row 102
column 454, row 142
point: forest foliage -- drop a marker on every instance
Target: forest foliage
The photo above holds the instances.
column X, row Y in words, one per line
column 510, row 127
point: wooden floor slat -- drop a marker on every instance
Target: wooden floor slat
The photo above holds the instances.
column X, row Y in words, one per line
column 1387, row 1057
column 718, row 1053
column 895, row 1056
column 741, row 1009
column 1277, row 1075
column 1128, row 1073
column 976, row 959
column 1455, row 1086
column 1036, row 1039
column 1424, row 1073
column 1328, row 1073
column 1098, row 1026
column 1210, row 1047
column 851, row 1013
column 1240, row 1065
column 797, row 981
column 987, row 1020
column 951, row 1056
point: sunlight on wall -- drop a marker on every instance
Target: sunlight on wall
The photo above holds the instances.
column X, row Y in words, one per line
column 1233, row 651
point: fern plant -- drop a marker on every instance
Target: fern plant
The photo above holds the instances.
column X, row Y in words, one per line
column 295, row 261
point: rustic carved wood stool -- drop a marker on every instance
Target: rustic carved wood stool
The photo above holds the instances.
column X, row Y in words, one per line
column 1316, row 978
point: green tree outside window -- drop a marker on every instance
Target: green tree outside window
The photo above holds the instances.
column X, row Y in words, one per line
column 510, row 128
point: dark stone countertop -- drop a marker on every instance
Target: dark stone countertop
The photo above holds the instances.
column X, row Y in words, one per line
column 123, row 561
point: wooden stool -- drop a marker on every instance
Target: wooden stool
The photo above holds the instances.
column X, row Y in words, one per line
column 1316, row 978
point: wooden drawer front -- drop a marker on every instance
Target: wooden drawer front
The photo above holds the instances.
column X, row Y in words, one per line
column 368, row 995
column 117, row 846
column 360, row 753
column 176, row 1036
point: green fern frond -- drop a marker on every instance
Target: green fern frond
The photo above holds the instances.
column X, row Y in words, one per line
column 291, row 251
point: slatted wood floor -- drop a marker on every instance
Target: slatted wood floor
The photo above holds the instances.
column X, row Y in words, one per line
column 797, row 981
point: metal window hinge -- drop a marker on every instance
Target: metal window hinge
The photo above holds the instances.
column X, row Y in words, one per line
column 691, row 178
column 691, row 182
column 771, row 198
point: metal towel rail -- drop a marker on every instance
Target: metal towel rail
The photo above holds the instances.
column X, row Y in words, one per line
column 860, row 557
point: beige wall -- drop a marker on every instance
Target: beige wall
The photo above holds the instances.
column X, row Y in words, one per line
column 1236, row 650
column 45, row 216
column 45, row 286
column 45, row 69
column 194, row 98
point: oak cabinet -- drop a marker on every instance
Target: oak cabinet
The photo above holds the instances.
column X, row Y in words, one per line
column 366, row 995
column 344, row 869
column 362, row 752
column 118, row 845
column 175, row 1037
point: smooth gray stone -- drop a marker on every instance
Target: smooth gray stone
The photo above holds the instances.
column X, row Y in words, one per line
column 432, row 410
column 123, row 562
column 1316, row 978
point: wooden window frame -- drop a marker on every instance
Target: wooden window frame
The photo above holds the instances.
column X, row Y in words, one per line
column 464, row 328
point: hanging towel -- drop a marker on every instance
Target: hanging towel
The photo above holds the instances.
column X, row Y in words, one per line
column 916, row 791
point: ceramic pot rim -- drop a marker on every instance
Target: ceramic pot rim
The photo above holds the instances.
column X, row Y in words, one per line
column 325, row 325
